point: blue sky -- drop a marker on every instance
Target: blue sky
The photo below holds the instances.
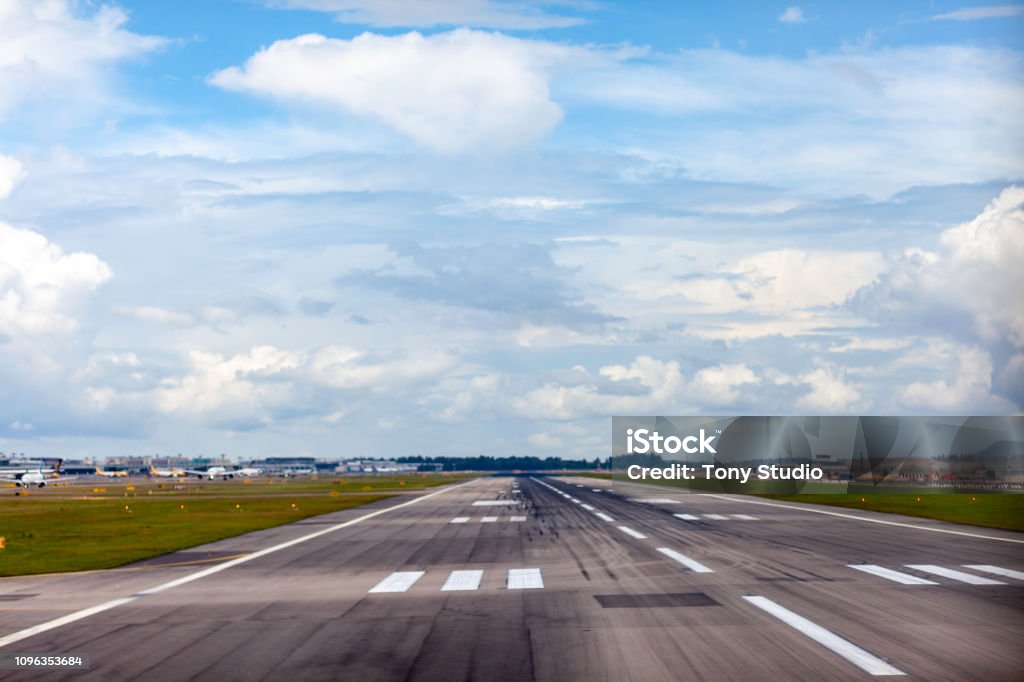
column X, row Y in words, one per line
column 344, row 228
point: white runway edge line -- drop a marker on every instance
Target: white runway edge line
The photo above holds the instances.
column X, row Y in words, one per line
column 691, row 564
column 863, row 518
column 397, row 582
column 106, row 606
column 889, row 574
column 460, row 581
column 954, row 575
column 632, row 533
column 525, row 579
column 996, row 570
column 867, row 662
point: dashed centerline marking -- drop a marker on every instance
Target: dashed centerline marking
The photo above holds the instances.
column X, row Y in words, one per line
column 460, row 519
column 867, row 662
column 489, row 519
column 691, row 564
column 954, row 575
column 889, row 574
column 629, row 531
column 603, row 516
column 687, row 517
column 517, row 519
column 398, row 582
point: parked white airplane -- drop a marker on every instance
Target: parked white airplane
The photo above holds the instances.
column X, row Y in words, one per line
column 38, row 478
column 225, row 473
column 111, row 474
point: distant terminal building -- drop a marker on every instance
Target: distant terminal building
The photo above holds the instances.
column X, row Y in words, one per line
column 289, row 466
column 373, row 466
column 77, row 467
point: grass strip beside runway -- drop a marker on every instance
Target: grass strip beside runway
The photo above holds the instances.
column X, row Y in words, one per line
column 988, row 510
column 78, row 529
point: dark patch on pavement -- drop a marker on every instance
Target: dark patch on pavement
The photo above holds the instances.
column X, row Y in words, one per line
column 633, row 601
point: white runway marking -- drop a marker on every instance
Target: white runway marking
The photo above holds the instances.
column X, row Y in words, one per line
column 398, row 582
column 596, row 490
column 93, row 610
column 603, row 516
column 744, row 517
column 866, row 519
column 867, row 662
column 654, row 500
column 716, row 517
column 463, row 580
column 687, row 517
column 954, row 575
column 460, row 519
column 889, row 574
column 691, row 564
column 493, row 503
column 517, row 519
column 576, row 501
column 1009, row 573
column 525, row 579
column 632, row 533
column 489, row 519
column 588, row 507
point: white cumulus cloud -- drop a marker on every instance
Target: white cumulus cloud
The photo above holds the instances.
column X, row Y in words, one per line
column 50, row 51
column 452, row 92
column 41, row 287
column 975, row 273
column 11, row 172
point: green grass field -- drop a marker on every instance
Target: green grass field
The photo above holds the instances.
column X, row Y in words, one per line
column 983, row 509
column 107, row 525
column 990, row 510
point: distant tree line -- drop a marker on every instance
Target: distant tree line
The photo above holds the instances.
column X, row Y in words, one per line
column 488, row 463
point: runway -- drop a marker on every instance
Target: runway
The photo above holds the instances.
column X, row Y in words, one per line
column 550, row 579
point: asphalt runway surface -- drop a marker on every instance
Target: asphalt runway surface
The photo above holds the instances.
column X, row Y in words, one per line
column 550, row 579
